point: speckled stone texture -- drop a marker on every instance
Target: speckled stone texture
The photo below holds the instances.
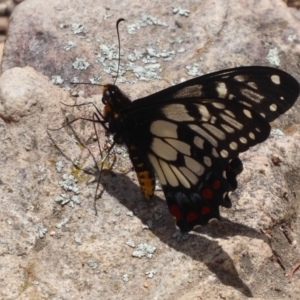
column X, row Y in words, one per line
column 49, row 251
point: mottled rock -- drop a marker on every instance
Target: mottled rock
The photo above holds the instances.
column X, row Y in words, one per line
column 239, row 257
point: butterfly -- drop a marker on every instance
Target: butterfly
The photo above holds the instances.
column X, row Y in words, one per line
column 190, row 135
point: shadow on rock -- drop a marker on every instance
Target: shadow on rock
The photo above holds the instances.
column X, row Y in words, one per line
column 197, row 246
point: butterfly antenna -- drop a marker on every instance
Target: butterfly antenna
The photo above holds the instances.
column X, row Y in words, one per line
column 119, row 58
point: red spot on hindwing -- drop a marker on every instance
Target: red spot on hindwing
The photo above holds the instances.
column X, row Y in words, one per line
column 175, row 212
column 192, row 216
column 207, row 193
column 216, row 184
column 205, row 210
column 229, row 168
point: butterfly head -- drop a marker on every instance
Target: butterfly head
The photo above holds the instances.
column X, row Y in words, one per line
column 114, row 100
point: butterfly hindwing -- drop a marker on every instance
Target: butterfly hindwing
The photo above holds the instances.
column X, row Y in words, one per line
column 199, row 204
column 194, row 185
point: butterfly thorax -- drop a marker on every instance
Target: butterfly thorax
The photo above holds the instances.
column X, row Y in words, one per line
column 115, row 113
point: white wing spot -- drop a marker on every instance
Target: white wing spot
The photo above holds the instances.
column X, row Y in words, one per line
column 221, row 89
column 243, row 140
column 229, row 113
column 263, row 115
column 231, row 96
column 273, row 107
column 232, row 122
column 164, row 129
column 214, row 153
column 281, row 98
column 207, row 161
column 157, row 168
column 257, row 129
column 189, row 175
column 193, row 165
column 218, row 105
column 225, row 194
column 246, row 103
column 233, row 146
column 176, row 112
column 171, row 178
column 163, row 150
column 215, row 131
column 224, row 153
column 199, row 142
column 189, row 91
column 180, row 177
column 252, row 95
column 213, row 120
column 204, row 113
column 252, row 135
column 204, row 134
column 180, row 146
column 275, row 79
column 240, row 78
column 227, row 128
column 247, row 113
column 252, row 84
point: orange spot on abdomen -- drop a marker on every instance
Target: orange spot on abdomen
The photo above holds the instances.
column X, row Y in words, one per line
column 146, row 183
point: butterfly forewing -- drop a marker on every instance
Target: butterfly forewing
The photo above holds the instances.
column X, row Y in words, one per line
column 229, row 128
column 268, row 91
column 192, row 133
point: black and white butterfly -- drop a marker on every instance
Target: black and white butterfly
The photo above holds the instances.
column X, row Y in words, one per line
column 190, row 135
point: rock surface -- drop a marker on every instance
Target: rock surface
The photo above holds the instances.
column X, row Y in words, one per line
column 49, row 251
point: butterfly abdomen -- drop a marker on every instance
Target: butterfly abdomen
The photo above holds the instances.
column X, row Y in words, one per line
column 144, row 171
